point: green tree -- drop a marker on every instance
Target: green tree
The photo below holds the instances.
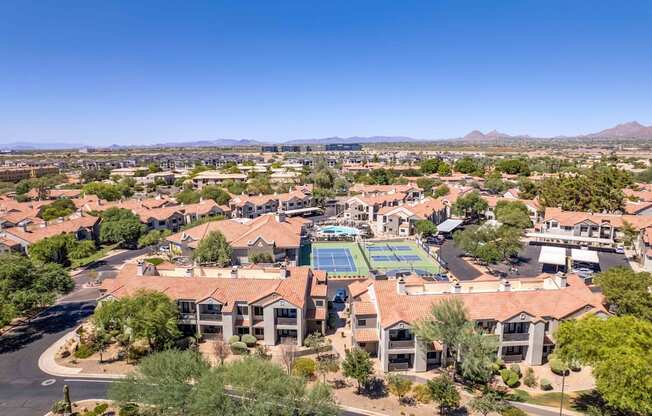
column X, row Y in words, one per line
column 23, row 187
column 626, row 291
column 187, row 196
column 153, row 237
column 446, row 323
column 169, row 382
column 630, row 234
column 470, row 205
column 214, row 249
column 489, row 402
column 468, row 166
column 425, row 228
column 427, row 184
column 322, row 176
column 379, row 177
column 513, row 166
column 444, row 169
column 429, row 166
column 619, row 350
column 478, row 352
column 52, row 249
column 398, row 385
column 217, row 194
column 120, row 225
column 147, row 315
column 494, row 183
column 443, row 391
column 527, row 189
column 341, row 185
column 104, row 191
column 260, row 185
column 59, row 208
column 513, row 214
column 81, row 249
column 441, row 190
column 358, row 366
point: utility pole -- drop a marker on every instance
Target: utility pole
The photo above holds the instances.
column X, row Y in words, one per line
column 561, row 402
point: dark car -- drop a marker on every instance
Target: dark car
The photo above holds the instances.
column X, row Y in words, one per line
column 340, row 296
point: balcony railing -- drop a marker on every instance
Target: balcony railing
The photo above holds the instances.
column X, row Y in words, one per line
column 285, row 321
column 402, row 366
column 210, row 316
column 188, row 315
column 513, row 358
column 258, row 318
column 407, row 343
column 516, row 336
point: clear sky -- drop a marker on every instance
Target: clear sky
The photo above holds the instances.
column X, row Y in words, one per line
column 137, row 72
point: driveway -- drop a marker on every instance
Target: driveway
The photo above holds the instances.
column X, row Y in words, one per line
column 455, row 263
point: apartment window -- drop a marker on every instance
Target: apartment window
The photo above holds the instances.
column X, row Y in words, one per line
column 516, row 328
column 213, row 308
column 319, row 302
column 362, row 344
column 243, row 330
column 258, row 310
column 161, row 223
column 286, row 313
column 243, row 310
column 259, row 332
column 362, row 322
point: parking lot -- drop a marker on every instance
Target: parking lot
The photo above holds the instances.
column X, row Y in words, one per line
column 527, row 264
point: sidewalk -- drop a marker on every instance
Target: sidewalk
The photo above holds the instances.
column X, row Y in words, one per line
column 48, row 365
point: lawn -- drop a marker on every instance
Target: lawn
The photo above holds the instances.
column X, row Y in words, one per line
column 93, row 257
column 551, row 399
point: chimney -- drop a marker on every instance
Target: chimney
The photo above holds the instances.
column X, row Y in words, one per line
column 280, row 216
column 188, row 272
column 140, row 270
column 400, row 286
column 505, row 286
column 234, row 272
column 283, row 273
column 561, row 280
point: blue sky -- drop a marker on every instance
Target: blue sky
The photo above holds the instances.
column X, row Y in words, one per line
column 136, row 72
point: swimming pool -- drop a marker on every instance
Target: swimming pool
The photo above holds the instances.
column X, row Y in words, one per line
column 339, row 230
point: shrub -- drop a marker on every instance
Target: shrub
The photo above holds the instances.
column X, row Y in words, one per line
column 530, row 379
column 422, row 393
column 575, row 366
column 518, row 395
column 517, row 369
column 239, row 348
column 304, row 367
column 128, row 409
column 545, row 384
column 513, row 411
column 558, row 367
column 233, row 338
column 97, row 410
column 250, row 340
column 58, row 407
column 497, row 365
column 83, row 351
column 510, row 377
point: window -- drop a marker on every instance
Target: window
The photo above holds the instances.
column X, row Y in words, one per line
column 362, row 344
column 362, row 322
column 259, row 332
column 161, row 223
column 243, row 310
column 286, row 313
column 243, row 330
column 258, row 310
column 319, row 302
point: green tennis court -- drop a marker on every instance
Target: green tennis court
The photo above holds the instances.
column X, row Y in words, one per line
column 392, row 257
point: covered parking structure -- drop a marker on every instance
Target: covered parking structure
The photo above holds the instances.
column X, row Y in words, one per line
column 585, row 258
column 448, row 226
column 551, row 256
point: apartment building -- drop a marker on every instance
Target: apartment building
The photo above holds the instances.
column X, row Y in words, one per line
column 523, row 314
column 216, row 178
column 401, row 220
column 244, row 206
column 366, row 208
column 16, row 174
column 533, row 206
column 274, row 304
column 82, row 227
column 585, row 228
column 274, row 234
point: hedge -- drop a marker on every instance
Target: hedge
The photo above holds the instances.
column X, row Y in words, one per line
column 545, row 384
column 304, row 367
column 422, row 393
column 510, row 377
column 239, row 348
column 517, row 369
column 250, row 340
column 233, row 338
column 558, row 367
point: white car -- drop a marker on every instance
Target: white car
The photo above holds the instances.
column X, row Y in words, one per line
column 620, row 250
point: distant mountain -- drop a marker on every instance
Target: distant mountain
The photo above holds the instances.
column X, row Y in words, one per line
column 354, row 139
column 477, row 135
column 212, row 143
column 39, row 146
column 630, row 130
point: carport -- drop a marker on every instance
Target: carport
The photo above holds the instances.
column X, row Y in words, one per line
column 587, row 257
column 449, row 225
column 551, row 255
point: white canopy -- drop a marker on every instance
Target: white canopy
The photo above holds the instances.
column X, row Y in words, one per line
column 553, row 255
column 585, row 256
column 449, row 225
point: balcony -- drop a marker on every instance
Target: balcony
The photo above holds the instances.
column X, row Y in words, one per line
column 188, row 316
column 513, row 358
column 516, row 336
column 258, row 318
column 285, row 321
column 400, row 366
column 401, row 344
column 210, row 316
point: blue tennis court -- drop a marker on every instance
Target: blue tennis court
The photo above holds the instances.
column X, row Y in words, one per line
column 383, row 258
column 402, row 248
column 378, row 248
column 410, row 257
column 336, row 260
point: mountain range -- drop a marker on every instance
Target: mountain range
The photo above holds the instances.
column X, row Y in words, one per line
column 629, row 130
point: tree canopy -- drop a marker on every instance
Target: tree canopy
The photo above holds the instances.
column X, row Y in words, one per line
column 25, row 284
column 59, row 208
column 358, row 366
column 430, row 166
column 214, row 249
column 513, row 166
column 120, row 225
column 626, row 291
column 426, row 228
column 107, row 191
column 470, row 205
column 513, row 214
column 619, row 350
column 469, row 166
column 489, row 244
column 61, row 249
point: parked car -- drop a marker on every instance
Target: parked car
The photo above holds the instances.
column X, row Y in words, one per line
column 620, row 250
column 340, row 296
